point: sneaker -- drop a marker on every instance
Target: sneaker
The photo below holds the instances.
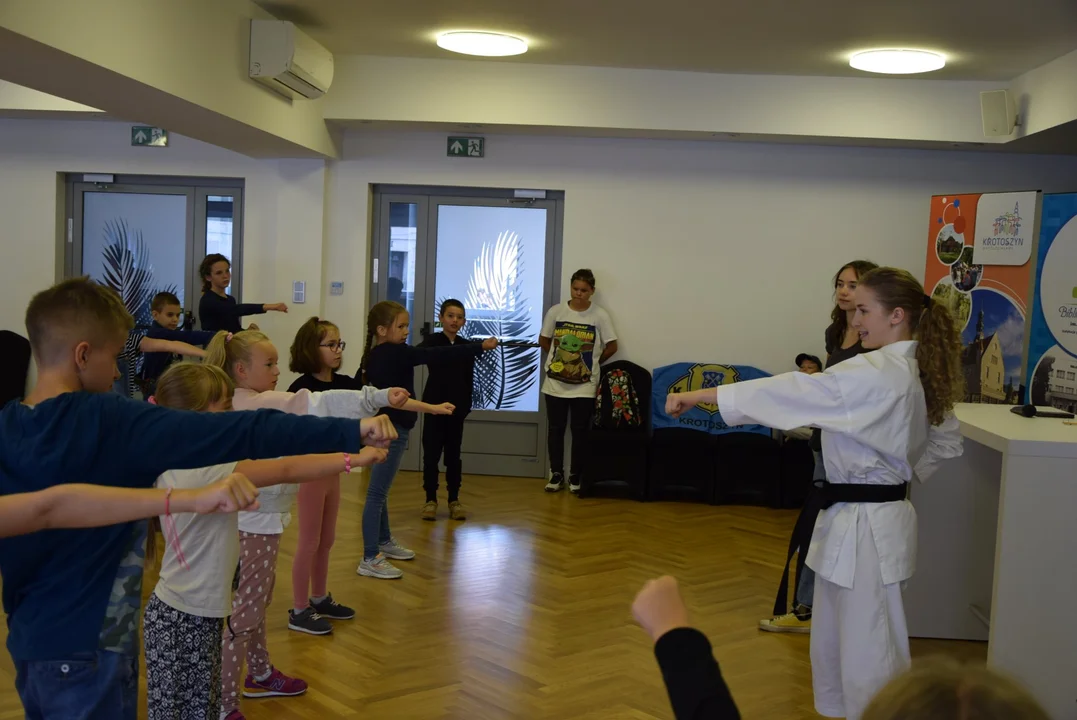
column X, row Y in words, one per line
column 574, row 484
column 788, row 623
column 557, row 481
column 235, row 715
column 379, row 567
column 309, row 622
column 430, row 511
column 457, row 511
column 276, row 685
column 330, row 608
column 395, row 551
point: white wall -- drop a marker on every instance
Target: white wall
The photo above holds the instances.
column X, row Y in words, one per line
column 283, row 209
column 708, row 251
column 702, row 251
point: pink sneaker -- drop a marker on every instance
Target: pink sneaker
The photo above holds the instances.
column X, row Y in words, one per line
column 276, row 685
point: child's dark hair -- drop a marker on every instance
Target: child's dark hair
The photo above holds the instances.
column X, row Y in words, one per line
column 206, row 268
column 840, row 322
column 450, row 303
column 305, row 356
column 584, row 274
column 162, row 300
column 381, row 315
column 71, row 312
column 938, row 351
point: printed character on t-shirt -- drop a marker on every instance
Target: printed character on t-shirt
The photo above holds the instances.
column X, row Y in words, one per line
column 574, row 346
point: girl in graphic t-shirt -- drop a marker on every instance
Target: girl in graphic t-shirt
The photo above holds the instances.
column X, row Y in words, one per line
column 577, row 337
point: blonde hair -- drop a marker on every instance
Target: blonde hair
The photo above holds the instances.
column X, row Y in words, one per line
column 938, row 352
column 943, row 689
column 71, row 312
column 226, row 349
column 193, row 386
column 381, row 315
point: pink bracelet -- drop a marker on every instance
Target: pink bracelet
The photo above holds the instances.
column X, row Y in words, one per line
column 347, row 463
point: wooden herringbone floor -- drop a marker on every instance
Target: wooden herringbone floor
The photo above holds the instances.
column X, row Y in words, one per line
column 523, row 611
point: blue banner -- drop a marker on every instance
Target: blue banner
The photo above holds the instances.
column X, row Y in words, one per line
column 684, row 377
column 1052, row 345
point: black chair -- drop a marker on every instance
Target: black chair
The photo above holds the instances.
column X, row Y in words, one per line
column 683, row 465
column 14, row 366
column 617, row 462
column 748, row 470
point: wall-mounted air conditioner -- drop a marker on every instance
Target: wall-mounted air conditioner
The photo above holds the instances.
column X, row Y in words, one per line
column 288, row 60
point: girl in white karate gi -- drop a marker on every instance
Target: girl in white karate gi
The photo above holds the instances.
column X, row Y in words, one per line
column 885, row 416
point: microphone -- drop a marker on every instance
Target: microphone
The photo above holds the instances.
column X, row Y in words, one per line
column 1031, row 411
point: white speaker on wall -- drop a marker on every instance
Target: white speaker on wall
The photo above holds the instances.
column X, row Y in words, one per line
column 998, row 112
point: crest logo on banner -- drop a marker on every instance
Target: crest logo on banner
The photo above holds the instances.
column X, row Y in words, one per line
column 688, row 377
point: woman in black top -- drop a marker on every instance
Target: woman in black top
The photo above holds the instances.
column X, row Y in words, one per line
column 388, row 361
column 217, row 310
column 842, row 342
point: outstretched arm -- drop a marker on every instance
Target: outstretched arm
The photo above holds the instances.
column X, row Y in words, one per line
column 176, row 347
column 419, row 406
column 84, row 506
column 301, row 468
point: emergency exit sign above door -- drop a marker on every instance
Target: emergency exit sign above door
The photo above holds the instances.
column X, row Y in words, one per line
column 472, row 147
column 148, row 136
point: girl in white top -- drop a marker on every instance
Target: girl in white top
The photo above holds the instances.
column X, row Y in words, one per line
column 183, row 619
column 577, row 337
column 885, row 416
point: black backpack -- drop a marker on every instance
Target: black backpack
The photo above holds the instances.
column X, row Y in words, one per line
column 617, row 405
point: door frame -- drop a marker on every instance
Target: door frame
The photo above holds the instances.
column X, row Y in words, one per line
column 197, row 190
column 428, row 199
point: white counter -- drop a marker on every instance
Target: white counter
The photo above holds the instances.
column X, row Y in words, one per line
column 997, row 557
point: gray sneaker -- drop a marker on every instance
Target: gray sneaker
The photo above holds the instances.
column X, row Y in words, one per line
column 309, row 622
column 379, row 567
column 395, row 551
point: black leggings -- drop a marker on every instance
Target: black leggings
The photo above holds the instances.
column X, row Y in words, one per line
column 558, row 411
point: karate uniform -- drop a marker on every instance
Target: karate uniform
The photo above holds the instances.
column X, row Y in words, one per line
column 875, row 431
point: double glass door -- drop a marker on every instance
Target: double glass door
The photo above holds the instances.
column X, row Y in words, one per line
column 499, row 258
column 141, row 236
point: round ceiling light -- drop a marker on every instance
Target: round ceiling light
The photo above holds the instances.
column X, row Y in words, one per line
column 486, row 44
column 897, row 62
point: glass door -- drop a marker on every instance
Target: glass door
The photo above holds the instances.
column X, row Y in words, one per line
column 498, row 258
column 141, row 235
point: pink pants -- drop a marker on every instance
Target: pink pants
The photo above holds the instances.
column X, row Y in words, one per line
column 319, row 502
column 257, row 575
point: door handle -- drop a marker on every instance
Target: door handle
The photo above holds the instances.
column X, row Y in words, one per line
column 188, row 320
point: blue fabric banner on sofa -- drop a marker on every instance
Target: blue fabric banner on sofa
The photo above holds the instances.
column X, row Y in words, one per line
column 681, row 377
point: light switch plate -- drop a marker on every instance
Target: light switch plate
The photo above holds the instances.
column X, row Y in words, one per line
column 336, row 288
column 299, row 292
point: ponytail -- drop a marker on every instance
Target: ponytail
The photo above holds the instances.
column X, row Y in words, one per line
column 381, row 315
column 938, row 352
column 226, row 349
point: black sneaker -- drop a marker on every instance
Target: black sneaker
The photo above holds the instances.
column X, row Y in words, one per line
column 574, row 484
column 557, row 482
column 309, row 622
column 330, row 608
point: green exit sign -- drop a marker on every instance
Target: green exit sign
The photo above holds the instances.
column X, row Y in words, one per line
column 148, row 136
column 472, row 147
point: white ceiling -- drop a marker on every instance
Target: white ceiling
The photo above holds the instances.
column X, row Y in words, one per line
column 984, row 39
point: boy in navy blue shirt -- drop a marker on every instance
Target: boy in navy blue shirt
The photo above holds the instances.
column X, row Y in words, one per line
column 167, row 313
column 72, row 596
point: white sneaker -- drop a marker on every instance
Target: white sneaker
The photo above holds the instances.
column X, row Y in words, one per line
column 396, row 551
column 556, row 483
column 574, row 485
column 379, row 567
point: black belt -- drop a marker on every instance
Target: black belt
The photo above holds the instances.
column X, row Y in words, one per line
column 822, row 495
column 833, row 493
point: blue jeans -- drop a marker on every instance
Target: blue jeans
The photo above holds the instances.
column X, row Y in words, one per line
column 376, row 511
column 98, row 685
